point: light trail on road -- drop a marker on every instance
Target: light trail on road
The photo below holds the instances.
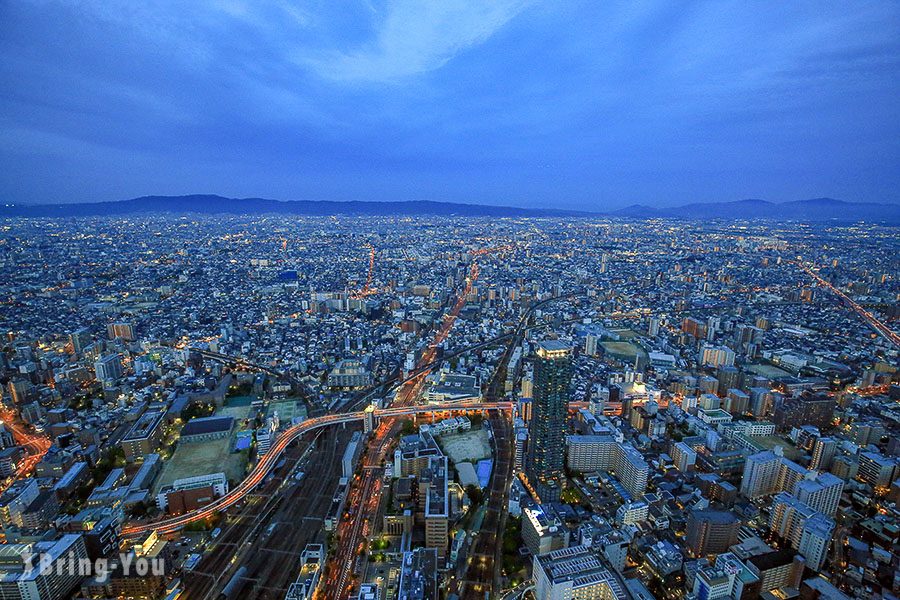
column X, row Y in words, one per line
column 37, row 445
column 365, row 498
column 871, row 319
column 264, row 466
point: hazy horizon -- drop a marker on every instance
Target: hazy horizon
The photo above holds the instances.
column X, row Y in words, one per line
column 510, row 204
column 578, row 106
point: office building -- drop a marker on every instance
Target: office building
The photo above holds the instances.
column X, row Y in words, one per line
column 547, row 428
column 413, row 454
column 265, row 435
column 418, row 575
column 369, row 420
column 312, row 563
column 144, row 436
column 712, row 583
column 574, row 573
column 745, row 584
column 542, row 531
column 351, row 454
column 369, row 591
column 433, row 488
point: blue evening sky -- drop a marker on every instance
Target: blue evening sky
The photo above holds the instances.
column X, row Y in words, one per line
column 591, row 105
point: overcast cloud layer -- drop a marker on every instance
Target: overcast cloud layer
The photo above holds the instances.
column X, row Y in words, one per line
column 589, row 105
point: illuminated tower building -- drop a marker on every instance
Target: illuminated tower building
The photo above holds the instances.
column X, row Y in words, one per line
column 547, row 429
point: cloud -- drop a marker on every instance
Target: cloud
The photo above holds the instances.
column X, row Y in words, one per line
column 467, row 100
column 415, row 37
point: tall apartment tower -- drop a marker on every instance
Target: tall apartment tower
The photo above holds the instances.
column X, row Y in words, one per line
column 711, row 531
column 823, row 452
column 760, row 475
column 80, row 339
column 821, row 492
column 547, row 429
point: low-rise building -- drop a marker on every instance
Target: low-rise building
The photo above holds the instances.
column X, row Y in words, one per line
column 206, row 428
column 312, row 561
column 349, row 374
column 192, row 492
column 542, row 531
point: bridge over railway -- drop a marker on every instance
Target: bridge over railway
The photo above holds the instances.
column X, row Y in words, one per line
column 270, row 459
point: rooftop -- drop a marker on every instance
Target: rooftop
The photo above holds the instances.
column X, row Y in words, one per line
column 206, row 425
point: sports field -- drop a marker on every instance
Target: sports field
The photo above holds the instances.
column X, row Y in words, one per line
column 212, row 456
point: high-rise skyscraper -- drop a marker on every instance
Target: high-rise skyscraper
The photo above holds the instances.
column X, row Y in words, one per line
column 547, row 429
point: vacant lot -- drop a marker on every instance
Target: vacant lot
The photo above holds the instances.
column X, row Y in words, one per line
column 470, row 446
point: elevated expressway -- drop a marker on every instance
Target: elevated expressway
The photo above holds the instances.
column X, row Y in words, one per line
column 265, row 465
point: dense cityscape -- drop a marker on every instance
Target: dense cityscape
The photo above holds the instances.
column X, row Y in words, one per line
column 439, row 407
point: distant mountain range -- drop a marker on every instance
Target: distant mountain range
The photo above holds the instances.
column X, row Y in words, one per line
column 210, row 204
column 816, row 209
